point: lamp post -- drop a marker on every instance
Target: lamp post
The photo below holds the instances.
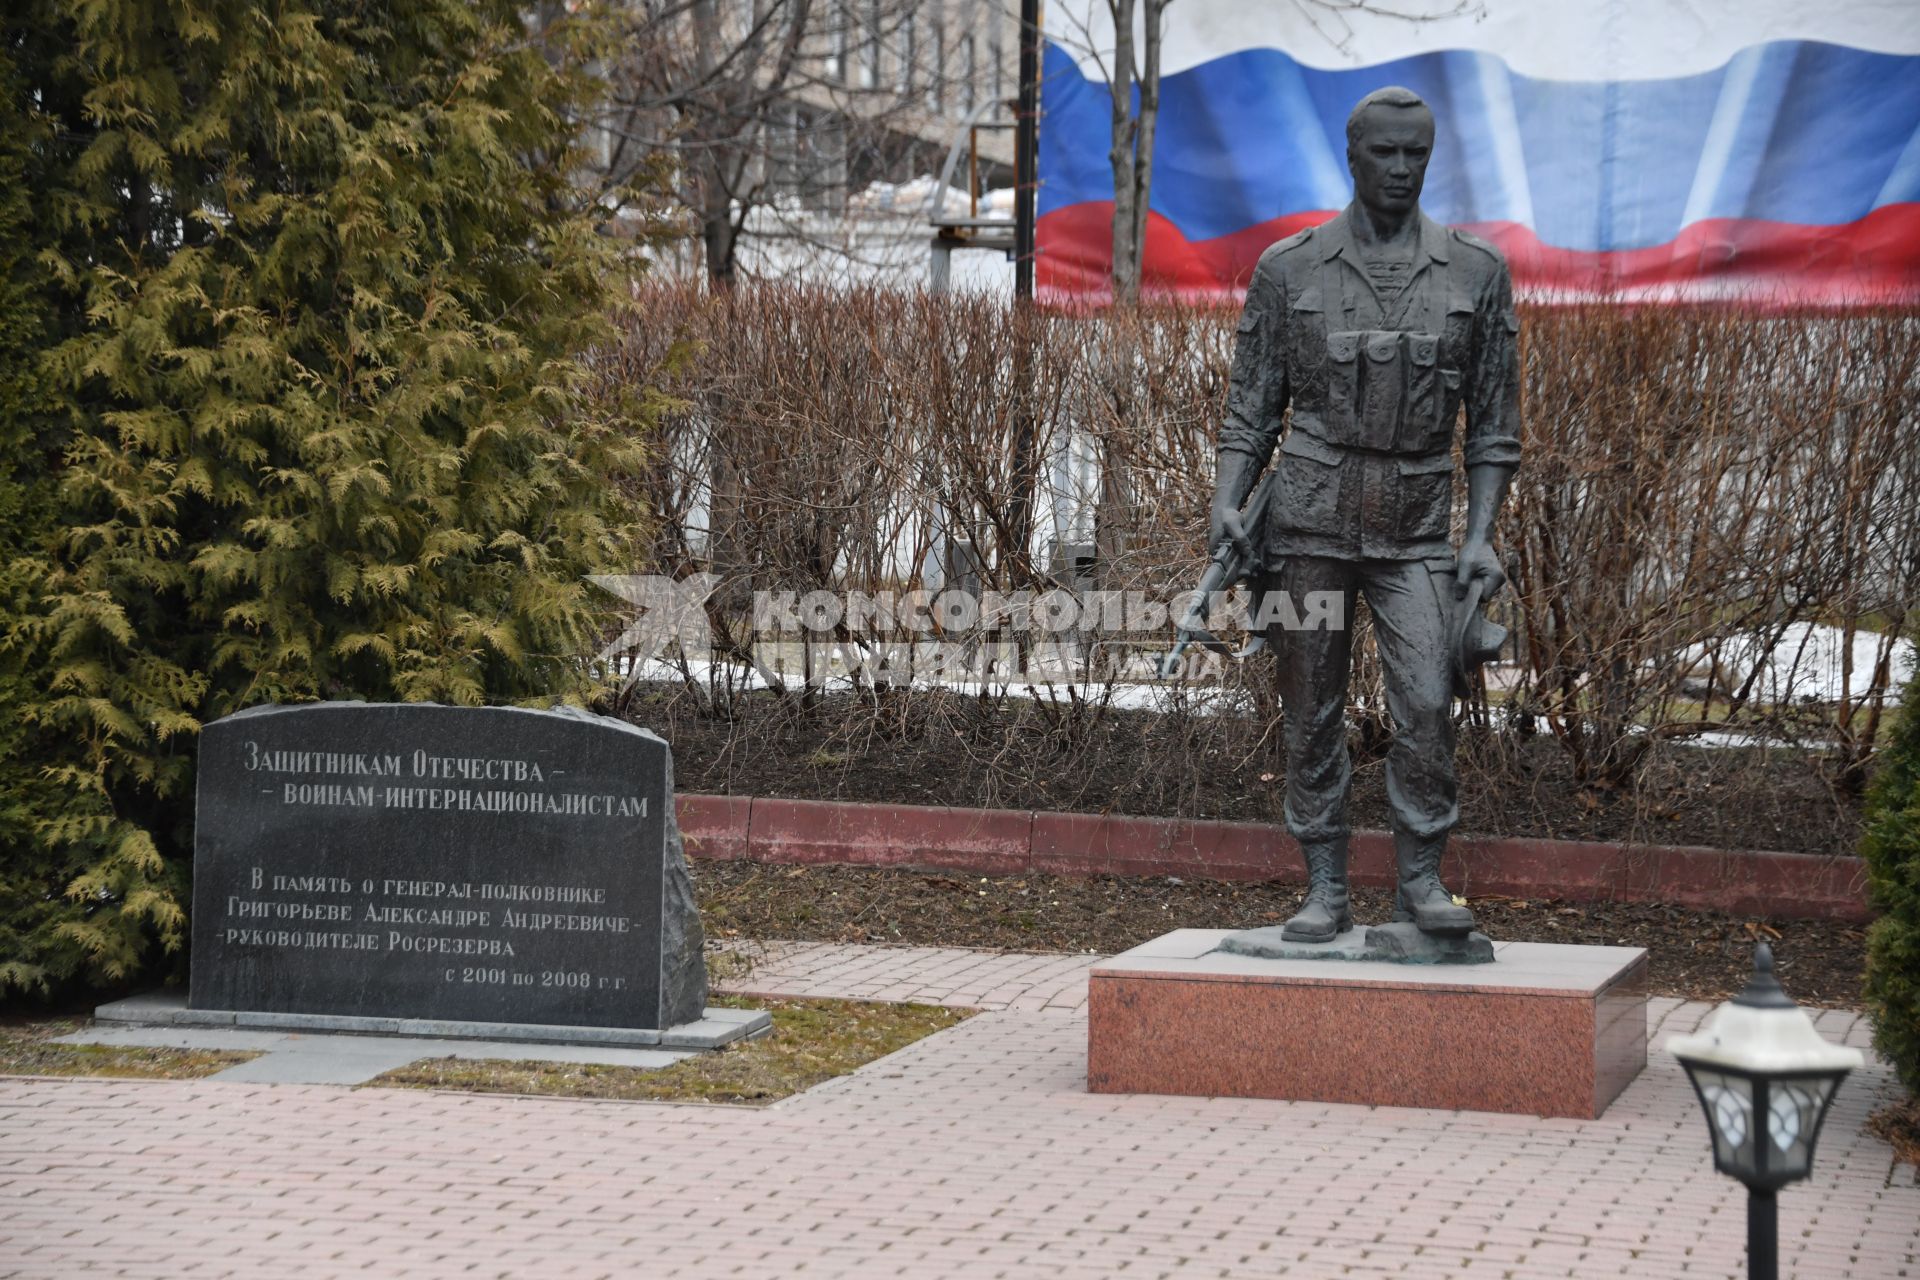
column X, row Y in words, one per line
column 1765, row 1079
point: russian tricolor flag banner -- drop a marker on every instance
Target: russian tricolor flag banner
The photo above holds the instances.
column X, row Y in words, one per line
column 1670, row 150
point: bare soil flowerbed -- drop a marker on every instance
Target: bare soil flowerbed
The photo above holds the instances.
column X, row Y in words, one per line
column 936, row 749
column 1898, row 1125
column 1693, row 954
column 945, row 750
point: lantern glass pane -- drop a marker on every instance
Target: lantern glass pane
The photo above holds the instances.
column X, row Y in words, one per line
column 1729, row 1103
column 1793, row 1112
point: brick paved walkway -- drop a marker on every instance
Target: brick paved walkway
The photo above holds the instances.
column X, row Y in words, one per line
column 976, row 1152
column 954, row 976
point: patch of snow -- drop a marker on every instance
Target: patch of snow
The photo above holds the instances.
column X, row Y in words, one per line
column 1126, row 694
column 1808, row 663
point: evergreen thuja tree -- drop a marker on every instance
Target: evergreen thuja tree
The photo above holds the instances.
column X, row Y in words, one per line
column 318, row 287
column 1892, row 852
column 34, row 872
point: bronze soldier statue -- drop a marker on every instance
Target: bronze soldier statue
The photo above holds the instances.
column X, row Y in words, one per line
column 1375, row 329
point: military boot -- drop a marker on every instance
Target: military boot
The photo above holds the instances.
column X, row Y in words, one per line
column 1326, row 911
column 1420, row 896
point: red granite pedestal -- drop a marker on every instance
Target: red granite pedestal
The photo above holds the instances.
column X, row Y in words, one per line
column 1544, row 1030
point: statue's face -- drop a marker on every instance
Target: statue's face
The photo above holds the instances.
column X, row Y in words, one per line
column 1389, row 158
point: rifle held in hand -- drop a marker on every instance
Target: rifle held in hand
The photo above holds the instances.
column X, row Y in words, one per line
column 1228, row 568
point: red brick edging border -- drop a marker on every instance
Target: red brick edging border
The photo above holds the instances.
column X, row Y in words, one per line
column 1795, row 886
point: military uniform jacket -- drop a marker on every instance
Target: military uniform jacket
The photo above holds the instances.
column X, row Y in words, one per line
column 1376, row 388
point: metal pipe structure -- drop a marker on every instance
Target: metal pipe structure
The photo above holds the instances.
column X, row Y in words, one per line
column 1763, row 1235
column 1026, row 151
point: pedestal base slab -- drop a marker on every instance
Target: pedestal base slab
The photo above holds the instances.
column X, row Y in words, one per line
column 1399, row 943
column 1544, row 1030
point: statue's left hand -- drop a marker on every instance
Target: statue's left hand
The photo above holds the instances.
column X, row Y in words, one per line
column 1476, row 560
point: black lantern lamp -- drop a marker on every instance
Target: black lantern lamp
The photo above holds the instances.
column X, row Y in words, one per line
column 1765, row 1079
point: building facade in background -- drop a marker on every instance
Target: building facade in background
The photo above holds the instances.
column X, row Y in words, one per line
column 787, row 122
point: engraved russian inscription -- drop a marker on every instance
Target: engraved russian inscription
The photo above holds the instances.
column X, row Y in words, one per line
column 418, row 861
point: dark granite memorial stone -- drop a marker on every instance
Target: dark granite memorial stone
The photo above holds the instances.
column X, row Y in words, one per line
column 476, row 864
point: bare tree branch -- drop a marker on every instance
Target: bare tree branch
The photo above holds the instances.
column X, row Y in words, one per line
column 767, row 100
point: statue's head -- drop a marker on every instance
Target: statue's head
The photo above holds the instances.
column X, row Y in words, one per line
column 1389, row 140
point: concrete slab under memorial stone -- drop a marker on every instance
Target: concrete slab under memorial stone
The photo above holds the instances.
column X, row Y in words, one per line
column 716, row 1027
column 1546, row 1030
column 290, row 1058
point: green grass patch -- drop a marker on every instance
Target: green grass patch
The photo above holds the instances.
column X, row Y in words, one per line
column 812, row 1041
column 27, row 1049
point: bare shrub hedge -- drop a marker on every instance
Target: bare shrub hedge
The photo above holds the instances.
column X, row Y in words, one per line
column 1698, row 484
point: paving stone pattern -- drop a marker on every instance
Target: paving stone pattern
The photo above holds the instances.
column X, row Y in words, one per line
column 954, row 976
column 976, row 1152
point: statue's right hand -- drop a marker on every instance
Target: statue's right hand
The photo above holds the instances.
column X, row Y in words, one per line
column 1227, row 525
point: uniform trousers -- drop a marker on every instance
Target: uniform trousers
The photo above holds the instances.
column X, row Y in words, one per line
column 1412, row 606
